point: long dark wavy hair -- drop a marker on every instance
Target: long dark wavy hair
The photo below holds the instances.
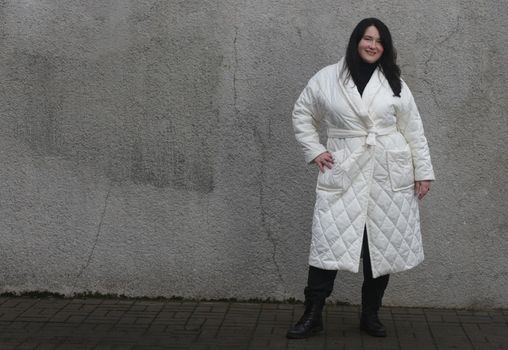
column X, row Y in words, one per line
column 387, row 61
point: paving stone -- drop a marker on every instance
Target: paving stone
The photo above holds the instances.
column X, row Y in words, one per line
column 102, row 324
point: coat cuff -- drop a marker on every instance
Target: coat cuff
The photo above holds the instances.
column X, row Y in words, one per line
column 422, row 176
column 311, row 155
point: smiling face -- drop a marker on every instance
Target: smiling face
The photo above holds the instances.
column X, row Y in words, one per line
column 370, row 48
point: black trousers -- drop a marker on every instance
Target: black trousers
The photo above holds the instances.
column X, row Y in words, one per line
column 320, row 284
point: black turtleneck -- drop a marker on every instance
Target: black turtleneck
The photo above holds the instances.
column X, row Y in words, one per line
column 362, row 76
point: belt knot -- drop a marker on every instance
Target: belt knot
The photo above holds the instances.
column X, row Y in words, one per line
column 371, row 137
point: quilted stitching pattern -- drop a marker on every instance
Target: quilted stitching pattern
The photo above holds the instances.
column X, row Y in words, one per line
column 392, row 220
column 370, row 191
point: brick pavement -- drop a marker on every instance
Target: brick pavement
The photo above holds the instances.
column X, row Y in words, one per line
column 105, row 324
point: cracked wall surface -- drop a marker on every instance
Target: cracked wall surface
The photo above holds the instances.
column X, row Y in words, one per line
column 147, row 146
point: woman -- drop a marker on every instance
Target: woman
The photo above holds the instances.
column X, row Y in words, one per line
column 375, row 167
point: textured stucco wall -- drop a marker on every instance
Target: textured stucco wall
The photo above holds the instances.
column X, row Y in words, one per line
column 146, row 146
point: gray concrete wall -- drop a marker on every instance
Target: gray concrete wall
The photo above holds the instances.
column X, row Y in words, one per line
column 146, row 146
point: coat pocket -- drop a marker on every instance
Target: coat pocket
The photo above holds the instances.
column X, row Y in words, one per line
column 334, row 179
column 400, row 169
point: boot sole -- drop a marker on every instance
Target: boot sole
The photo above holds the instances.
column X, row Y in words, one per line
column 373, row 334
column 305, row 335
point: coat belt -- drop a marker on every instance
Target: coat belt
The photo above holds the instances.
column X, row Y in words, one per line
column 371, row 133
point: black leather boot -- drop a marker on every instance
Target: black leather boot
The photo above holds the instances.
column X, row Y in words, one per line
column 310, row 323
column 370, row 323
column 373, row 290
column 372, row 294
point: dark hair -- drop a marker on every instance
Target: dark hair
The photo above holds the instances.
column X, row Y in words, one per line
column 387, row 61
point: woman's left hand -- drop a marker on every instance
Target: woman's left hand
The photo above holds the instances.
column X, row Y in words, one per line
column 422, row 187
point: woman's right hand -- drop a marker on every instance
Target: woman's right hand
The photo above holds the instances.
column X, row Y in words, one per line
column 325, row 159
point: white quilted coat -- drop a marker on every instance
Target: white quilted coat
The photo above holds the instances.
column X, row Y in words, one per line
column 379, row 150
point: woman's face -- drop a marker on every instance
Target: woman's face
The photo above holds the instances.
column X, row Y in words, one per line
column 370, row 48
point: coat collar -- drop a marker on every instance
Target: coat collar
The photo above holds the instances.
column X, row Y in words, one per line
column 358, row 103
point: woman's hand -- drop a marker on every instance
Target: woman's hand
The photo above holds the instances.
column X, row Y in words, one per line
column 422, row 187
column 325, row 159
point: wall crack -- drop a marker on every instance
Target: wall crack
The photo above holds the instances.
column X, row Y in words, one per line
column 96, row 240
column 235, row 69
column 269, row 234
column 431, row 56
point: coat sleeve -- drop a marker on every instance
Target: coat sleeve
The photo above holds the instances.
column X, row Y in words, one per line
column 410, row 125
column 306, row 119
